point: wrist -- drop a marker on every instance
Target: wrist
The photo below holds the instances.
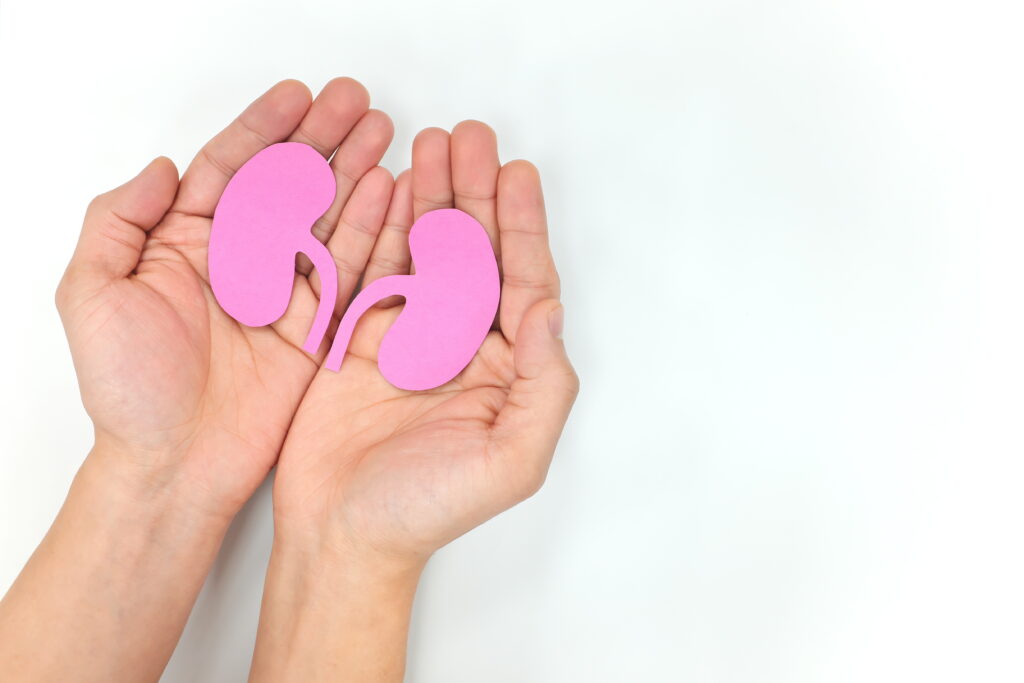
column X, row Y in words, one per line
column 333, row 612
column 335, row 540
column 153, row 486
column 344, row 564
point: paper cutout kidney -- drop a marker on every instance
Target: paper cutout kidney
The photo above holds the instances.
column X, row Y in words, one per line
column 449, row 303
column 262, row 221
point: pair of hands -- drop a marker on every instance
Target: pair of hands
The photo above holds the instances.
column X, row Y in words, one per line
column 189, row 404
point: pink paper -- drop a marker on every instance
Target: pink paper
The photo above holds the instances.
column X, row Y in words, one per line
column 262, row 221
column 449, row 303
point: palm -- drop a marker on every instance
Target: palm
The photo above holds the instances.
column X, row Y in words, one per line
column 252, row 364
column 197, row 380
column 383, row 459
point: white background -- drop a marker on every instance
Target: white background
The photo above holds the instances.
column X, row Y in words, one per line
column 790, row 235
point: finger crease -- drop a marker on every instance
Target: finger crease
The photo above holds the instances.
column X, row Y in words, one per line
column 475, row 197
column 313, row 140
column 262, row 139
column 523, row 231
column 388, row 264
column 525, row 282
column 435, row 203
column 346, row 267
column 354, row 179
column 217, row 164
column 359, row 226
column 398, row 227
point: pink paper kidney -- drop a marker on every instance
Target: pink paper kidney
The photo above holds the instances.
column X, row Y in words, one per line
column 262, row 221
column 449, row 303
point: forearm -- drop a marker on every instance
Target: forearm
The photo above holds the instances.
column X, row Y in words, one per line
column 106, row 594
column 329, row 615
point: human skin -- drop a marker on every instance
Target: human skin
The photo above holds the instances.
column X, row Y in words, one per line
column 190, row 409
column 372, row 480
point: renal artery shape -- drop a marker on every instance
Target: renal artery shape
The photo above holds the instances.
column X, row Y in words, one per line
column 264, row 219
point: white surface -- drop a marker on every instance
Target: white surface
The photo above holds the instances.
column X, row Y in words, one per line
column 818, row 208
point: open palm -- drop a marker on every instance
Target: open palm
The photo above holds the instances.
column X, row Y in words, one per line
column 163, row 370
column 404, row 472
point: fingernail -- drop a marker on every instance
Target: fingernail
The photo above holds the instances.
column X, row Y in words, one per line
column 556, row 319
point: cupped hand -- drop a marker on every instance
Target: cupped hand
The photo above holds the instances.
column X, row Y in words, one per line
column 369, row 468
column 177, row 390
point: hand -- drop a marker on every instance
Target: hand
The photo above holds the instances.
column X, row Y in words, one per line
column 178, row 391
column 373, row 479
column 379, row 471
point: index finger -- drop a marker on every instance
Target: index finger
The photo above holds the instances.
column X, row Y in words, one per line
column 270, row 119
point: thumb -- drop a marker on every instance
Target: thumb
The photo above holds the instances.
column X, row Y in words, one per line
column 541, row 396
column 116, row 223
